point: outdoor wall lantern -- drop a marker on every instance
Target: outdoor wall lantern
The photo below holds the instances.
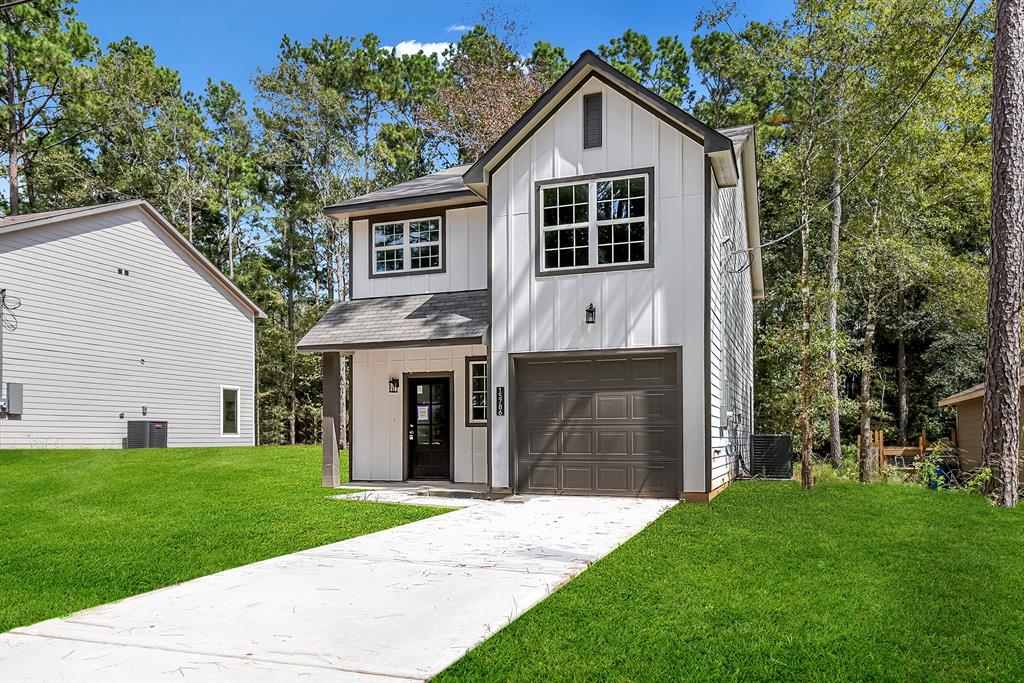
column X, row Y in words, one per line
column 591, row 314
column 393, row 385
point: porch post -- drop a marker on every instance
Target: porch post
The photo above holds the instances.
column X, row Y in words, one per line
column 332, row 417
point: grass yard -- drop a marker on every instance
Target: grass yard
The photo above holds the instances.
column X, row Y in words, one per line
column 82, row 528
column 848, row 582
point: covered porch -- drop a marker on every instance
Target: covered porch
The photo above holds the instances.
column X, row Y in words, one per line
column 416, row 404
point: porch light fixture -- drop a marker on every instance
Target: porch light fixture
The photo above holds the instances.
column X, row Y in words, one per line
column 591, row 314
column 393, row 385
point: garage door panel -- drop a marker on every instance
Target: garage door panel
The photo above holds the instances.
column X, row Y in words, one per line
column 654, row 371
column 578, row 478
column 613, row 407
column 651, row 442
column 650, row 479
column 542, row 443
column 543, row 477
column 541, row 407
column 578, row 407
column 653, row 406
column 577, row 443
column 613, row 444
column 602, row 425
column 613, row 479
column 612, row 371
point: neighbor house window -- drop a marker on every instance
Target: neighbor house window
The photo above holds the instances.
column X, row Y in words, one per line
column 229, row 411
column 476, row 395
column 412, row 245
column 600, row 222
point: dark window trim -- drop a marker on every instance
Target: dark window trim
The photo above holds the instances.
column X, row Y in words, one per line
column 538, row 232
column 400, row 217
column 598, row 141
column 470, row 422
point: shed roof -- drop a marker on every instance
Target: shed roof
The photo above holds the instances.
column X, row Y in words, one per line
column 10, row 224
column 444, row 186
column 409, row 320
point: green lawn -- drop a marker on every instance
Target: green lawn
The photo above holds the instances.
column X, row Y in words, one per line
column 82, row 528
column 848, row 582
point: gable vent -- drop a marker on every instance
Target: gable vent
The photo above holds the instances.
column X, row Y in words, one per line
column 592, row 120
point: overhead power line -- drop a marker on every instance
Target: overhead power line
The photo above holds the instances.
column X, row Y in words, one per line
column 878, row 147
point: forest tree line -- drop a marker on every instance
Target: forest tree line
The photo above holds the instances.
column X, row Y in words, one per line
column 888, row 279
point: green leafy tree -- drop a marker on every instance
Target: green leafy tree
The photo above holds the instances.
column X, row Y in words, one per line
column 664, row 67
column 43, row 45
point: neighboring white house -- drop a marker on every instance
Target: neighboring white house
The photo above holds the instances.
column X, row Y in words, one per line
column 122, row 319
column 573, row 313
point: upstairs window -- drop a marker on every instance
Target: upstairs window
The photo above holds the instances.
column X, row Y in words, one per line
column 408, row 246
column 601, row 222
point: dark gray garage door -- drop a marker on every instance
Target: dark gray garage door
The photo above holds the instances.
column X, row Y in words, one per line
column 598, row 425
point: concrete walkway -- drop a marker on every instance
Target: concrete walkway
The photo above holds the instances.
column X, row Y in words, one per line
column 398, row 605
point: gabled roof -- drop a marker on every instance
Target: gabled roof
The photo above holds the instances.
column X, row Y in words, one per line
column 717, row 146
column 444, row 187
column 11, row 224
column 408, row 320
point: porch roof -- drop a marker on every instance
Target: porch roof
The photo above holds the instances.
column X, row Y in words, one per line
column 443, row 318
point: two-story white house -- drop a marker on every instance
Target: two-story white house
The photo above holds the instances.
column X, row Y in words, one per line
column 573, row 313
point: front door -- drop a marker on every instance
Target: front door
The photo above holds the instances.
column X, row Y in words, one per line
column 429, row 430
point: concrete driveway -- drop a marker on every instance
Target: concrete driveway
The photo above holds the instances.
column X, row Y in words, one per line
column 400, row 604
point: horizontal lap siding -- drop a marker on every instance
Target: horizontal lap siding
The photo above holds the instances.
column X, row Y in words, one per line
column 660, row 306
column 731, row 334
column 378, row 416
column 83, row 330
column 465, row 256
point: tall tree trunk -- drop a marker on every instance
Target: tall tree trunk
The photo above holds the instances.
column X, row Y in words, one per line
column 293, row 403
column 807, row 395
column 833, row 313
column 13, row 134
column 867, row 462
column 231, row 238
column 191, row 218
column 903, row 407
column 1001, row 420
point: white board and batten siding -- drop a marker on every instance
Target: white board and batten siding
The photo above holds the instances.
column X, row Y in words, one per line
column 647, row 307
column 465, row 258
column 378, row 416
column 92, row 344
column 731, row 334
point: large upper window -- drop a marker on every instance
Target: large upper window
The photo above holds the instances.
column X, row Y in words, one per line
column 601, row 222
column 412, row 245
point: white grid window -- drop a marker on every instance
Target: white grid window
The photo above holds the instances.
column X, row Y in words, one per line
column 601, row 222
column 411, row 245
column 477, row 391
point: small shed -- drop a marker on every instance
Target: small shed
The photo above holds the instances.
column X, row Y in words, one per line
column 968, row 405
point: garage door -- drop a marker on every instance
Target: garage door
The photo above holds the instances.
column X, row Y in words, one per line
column 598, row 425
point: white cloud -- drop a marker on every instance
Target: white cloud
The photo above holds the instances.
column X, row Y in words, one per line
column 458, row 28
column 411, row 47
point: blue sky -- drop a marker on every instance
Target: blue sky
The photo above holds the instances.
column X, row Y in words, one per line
column 229, row 39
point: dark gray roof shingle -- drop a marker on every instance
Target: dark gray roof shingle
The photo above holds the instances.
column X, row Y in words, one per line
column 446, row 184
column 400, row 320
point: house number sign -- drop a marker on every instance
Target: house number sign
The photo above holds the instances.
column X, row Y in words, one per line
column 499, row 401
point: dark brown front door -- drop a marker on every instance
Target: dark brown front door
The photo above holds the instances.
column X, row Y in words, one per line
column 608, row 424
column 429, row 428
